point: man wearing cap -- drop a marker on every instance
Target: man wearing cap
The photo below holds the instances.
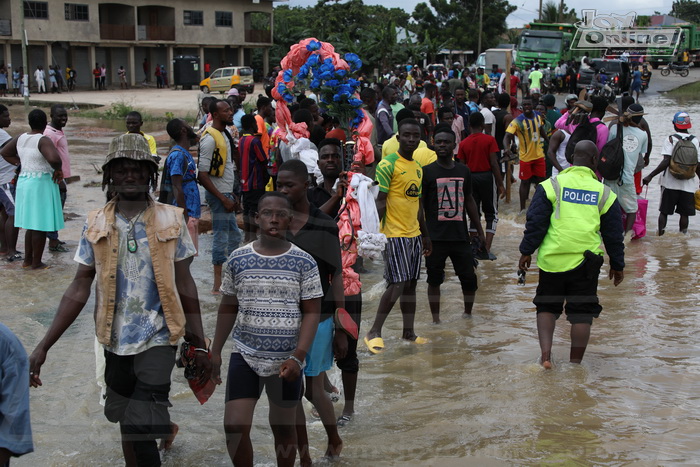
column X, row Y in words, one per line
column 570, row 101
column 139, row 252
column 676, row 195
column 634, row 145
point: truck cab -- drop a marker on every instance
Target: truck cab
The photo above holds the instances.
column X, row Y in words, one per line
column 547, row 47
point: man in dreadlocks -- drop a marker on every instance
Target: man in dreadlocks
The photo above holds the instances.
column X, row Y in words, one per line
column 140, row 252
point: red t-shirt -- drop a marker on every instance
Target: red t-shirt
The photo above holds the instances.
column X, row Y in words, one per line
column 474, row 151
column 428, row 108
column 514, row 82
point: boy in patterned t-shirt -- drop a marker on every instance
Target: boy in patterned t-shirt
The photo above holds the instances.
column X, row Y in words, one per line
column 271, row 291
column 398, row 204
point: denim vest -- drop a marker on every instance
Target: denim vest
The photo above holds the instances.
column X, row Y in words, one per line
column 162, row 230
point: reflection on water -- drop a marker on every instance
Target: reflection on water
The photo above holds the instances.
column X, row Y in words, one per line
column 473, row 396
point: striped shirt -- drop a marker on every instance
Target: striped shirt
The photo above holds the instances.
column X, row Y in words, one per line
column 253, row 163
column 530, row 140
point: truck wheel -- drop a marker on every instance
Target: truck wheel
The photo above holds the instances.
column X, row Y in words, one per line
column 204, row 89
column 655, row 66
column 684, row 73
column 665, row 72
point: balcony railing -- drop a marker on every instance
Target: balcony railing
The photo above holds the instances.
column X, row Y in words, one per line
column 258, row 35
column 117, row 32
column 156, row 33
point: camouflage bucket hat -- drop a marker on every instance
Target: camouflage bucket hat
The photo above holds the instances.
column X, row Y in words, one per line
column 129, row 146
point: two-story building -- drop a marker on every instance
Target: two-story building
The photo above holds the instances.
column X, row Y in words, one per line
column 135, row 34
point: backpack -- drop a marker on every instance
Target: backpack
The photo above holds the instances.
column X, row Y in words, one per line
column 586, row 131
column 684, row 158
column 166, row 195
column 611, row 159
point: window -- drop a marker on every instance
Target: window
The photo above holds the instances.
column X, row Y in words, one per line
column 76, row 12
column 224, row 18
column 36, row 10
column 194, row 18
column 216, row 74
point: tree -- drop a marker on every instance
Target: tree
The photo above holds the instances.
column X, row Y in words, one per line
column 367, row 30
column 688, row 10
column 453, row 22
column 550, row 13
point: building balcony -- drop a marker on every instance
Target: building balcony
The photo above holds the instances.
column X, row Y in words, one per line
column 156, row 33
column 117, row 32
column 258, row 35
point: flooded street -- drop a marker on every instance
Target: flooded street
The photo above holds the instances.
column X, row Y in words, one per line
column 474, row 396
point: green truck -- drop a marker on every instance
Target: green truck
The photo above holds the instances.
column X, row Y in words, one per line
column 690, row 41
column 548, row 43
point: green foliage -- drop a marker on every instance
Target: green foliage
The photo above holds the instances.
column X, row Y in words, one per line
column 454, row 23
column 688, row 10
column 550, row 13
column 119, row 111
column 369, row 31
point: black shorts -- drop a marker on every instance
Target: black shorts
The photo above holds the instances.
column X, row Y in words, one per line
column 460, row 253
column 485, row 196
column 244, row 383
column 250, row 202
column 351, row 364
column 573, row 287
column 681, row 201
column 137, row 392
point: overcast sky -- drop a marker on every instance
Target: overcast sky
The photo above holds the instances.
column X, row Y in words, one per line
column 527, row 9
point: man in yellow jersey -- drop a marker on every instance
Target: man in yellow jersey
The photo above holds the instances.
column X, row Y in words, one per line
column 391, row 145
column 134, row 122
column 530, row 129
column 400, row 181
column 568, row 216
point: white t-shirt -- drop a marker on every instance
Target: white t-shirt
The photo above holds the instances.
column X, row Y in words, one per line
column 668, row 180
column 489, row 118
column 634, row 144
column 7, row 170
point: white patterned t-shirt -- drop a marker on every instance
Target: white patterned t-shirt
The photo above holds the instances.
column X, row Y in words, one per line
column 269, row 291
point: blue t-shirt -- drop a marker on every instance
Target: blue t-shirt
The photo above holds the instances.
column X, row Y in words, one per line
column 15, row 424
column 174, row 164
column 139, row 322
column 637, row 77
column 269, row 290
column 3, row 77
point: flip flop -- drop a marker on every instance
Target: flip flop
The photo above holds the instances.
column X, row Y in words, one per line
column 375, row 345
column 15, row 257
column 418, row 340
column 343, row 420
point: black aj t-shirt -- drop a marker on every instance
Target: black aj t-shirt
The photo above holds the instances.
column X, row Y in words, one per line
column 444, row 194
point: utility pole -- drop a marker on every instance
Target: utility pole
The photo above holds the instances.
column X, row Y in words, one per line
column 25, row 66
column 539, row 18
column 481, row 23
column 561, row 11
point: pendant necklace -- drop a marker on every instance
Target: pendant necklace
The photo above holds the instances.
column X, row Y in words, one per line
column 131, row 243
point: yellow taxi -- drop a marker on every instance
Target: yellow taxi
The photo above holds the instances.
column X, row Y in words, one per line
column 240, row 77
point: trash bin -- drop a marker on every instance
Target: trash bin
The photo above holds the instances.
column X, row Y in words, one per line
column 186, row 70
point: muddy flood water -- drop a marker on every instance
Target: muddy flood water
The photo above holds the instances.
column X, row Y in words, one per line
column 474, row 396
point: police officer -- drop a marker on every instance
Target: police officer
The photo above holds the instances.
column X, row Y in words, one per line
column 568, row 216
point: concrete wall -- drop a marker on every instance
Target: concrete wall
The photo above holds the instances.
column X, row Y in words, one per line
column 56, row 28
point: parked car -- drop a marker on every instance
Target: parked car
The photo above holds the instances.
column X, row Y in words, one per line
column 617, row 71
column 240, row 77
